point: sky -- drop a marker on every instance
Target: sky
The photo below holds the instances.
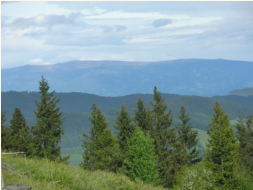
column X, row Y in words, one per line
column 43, row 33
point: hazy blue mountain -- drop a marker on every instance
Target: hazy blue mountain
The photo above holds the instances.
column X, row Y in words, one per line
column 117, row 78
column 245, row 100
column 242, row 92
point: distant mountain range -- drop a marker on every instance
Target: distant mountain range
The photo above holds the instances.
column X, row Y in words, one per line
column 117, row 78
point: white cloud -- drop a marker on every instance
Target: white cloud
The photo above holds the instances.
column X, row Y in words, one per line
column 47, row 63
column 42, row 20
column 37, row 60
column 64, row 31
column 128, row 15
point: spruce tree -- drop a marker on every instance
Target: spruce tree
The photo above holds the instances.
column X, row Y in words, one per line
column 48, row 131
column 20, row 133
column 124, row 126
column 100, row 150
column 143, row 117
column 170, row 153
column 5, row 133
column 188, row 137
column 141, row 161
column 221, row 152
column 245, row 137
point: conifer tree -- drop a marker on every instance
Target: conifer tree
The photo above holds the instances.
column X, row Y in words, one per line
column 141, row 161
column 20, row 133
column 221, row 150
column 48, row 131
column 100, row 150
column 124, row 126
column 188, row 137
column 5, row 133
column 143, row 117
column 245, row 138
column 170, row 153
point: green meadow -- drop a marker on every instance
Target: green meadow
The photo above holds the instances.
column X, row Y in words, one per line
column 41, row 174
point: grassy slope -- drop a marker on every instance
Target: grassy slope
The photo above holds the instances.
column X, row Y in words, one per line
column 40, row 174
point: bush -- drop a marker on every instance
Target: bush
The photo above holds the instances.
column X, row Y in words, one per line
column 244, row 183
column 196, row 177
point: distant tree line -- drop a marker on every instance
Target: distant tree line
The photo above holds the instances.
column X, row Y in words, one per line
column 146, row 146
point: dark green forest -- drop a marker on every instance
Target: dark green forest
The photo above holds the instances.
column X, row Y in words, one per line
column 76, row 109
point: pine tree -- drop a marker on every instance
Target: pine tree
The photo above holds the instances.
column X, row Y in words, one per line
column 100, row 150
column 124, row 126
column 5, row 133
column 143, row 117
column 20, row 133
column 245, row 138
column 170, row 153
column 48, row 131
column 188, row 137
column 221, row 150
column 141, row 161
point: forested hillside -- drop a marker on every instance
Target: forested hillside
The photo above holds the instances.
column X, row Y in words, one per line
column 76, row 109
column 73, row 102
column 242, row 92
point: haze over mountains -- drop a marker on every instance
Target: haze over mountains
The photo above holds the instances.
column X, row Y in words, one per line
column 201, row 77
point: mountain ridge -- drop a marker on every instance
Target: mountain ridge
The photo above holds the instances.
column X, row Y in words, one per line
column 201, row 77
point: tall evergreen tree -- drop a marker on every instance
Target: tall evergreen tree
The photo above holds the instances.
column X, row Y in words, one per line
column 48, row 131
column 221, row 150
column 170, row 153
column 100, row 150
column 188, row 137
column 141, row 161
column 245, row 137
column 20, row 133
column 143, row 116
column 5, row 133
column 124, row 126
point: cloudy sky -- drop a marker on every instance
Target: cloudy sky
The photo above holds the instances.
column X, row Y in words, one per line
column 57, row 32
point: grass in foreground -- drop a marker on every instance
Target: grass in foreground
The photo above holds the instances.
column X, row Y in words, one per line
column 43, row 174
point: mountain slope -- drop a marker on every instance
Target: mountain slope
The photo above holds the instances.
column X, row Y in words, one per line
column 242, row 92
column 117, row 78
column 76, row 109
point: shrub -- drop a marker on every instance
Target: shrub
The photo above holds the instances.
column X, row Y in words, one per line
column 196, row 177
